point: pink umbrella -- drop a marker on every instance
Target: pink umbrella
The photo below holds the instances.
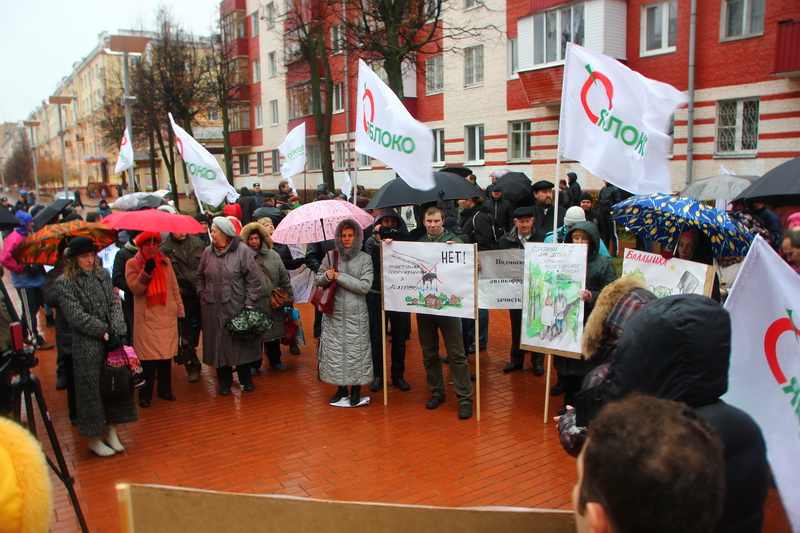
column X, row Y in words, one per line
column 153, row 220
column 317, row 221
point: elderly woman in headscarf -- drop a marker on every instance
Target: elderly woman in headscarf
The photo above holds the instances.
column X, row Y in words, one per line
column 228, row 280
column 345, row 357
column 157, row 305
column 273, row 275
column 87, row 299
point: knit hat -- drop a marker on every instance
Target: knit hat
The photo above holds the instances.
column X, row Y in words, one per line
column 145, row 236
column 233, row 210
column 574, row 214
column 586, row 196
column 80, row 245
column 225, row 226
column 201, row 217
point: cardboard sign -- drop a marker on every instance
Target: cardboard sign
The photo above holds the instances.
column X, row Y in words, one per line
column 430, row 278
column 665, row 277
column 500, row 279
column 552, row 312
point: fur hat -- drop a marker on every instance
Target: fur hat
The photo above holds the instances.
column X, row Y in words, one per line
column 256, row 227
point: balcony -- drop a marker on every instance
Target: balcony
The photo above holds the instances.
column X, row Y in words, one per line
column 787, row 49
column 241, row 138
column 542, row 86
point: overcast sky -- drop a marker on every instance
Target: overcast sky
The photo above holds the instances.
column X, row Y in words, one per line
column 41, row 39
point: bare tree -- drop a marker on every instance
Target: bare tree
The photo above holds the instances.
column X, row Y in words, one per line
column 19, row 167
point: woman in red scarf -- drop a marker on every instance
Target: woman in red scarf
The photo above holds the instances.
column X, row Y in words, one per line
column 157, row 305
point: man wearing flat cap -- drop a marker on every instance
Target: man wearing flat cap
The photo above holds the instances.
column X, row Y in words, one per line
column 524, row 230
column 543, row 210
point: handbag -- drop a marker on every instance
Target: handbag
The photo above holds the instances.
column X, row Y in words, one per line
column 323, row 297
column 121, row 373
column 249, row 324
column 280, row 297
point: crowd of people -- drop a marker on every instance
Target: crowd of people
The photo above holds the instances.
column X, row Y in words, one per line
column 178, row 288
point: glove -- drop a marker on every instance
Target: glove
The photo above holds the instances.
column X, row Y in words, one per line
column 112, row 343
column 150, row 265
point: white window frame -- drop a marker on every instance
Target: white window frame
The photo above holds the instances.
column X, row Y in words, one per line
column 666, row 13
column 337, row 39
column 364, row 161
column 313, row 157
column 745, row 143
column 434, row 74
column 438, row 147
column 337, row 100
column 340, row 155
column 244, row 164
column 257, row 70
column 474, row 143
column 270, row 15
column 258, row 111
column 540, row 21
column 212, row 115
column 254, row 19
column 750, row 9
column 473, row 66
column 276, row 161
column 519, row 140
column 472, row 4
column 273, row 113
column 513, row 58
column 272, row 64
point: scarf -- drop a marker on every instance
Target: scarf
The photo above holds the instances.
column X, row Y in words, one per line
column 157, row 288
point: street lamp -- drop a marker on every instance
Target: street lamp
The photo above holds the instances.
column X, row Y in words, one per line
column 128, row 44
column 31, row 124
column 59, row 101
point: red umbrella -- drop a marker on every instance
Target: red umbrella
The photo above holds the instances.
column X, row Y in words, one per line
column 153, row 220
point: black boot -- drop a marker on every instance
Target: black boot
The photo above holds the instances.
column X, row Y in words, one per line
column 341, row 392
column 355, row 395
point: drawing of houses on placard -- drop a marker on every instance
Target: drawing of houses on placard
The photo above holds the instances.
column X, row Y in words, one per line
column 426, row 290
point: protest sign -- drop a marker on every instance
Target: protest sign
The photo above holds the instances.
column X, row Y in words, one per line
column 764, row 371
column 665, row 277
column 429, row 278
column 552, row 311
column 500, row 279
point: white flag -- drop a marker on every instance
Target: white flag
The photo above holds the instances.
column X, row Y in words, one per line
column 347, row 186
column 209, row 181
column 125, row 160
column 386, row 130
column 294, row 150
column 292, row 187
column 614, row 121
column 765, row 362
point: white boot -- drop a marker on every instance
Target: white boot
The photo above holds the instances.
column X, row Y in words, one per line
column 97, row 446
column 112, row 439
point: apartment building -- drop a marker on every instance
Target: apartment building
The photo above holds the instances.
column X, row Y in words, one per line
column 493, row 100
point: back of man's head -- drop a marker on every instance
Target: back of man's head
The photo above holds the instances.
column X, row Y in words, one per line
column 649, row 465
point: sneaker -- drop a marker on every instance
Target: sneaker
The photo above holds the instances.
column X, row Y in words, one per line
column 279, row 366
column 249, row 387
column 253, row 371
column 465, row 411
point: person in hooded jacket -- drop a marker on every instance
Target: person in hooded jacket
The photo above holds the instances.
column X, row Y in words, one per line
column 501, row 211
column 600, row 272
column 102, row 208
column 248, row 203
column 678, row 348
column 478, row 226
column 345, row 355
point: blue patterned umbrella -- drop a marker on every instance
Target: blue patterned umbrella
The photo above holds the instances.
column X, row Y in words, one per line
column 662, row 218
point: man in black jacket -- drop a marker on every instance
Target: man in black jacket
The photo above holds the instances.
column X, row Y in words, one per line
column 501, row 211
column 477, row 225
column 574, row 188
column 544, row 208
column 522, row 232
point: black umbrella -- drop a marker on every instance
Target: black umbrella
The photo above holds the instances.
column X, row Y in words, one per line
column 458, row 169
column 151, row 200
column 449, row 186
column 51, row 211
column 780, row 186
column 516, row 186
column 8, row 220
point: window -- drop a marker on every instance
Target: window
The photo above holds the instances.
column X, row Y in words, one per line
column 513, row 58
column 260, row 162
column 742, row 18
column 276, row 162
column 552, row 30
column 299, row 101
column 273, row 112
column 364, row 161
column 272, row 65
column 313, row 157
column 434, row 74
column 737, row 126
column 254, row 19
column 337, row 38
column 469, row 4
column 659, row 27
column 257, row 70
column 340, row 155
column 338, row 97
column 438, row 146
column 241, row 28
column 269, row 14
column 244, row 164
column 259, row 116
column 473, row 66
column 213, row 114
column 473, row 143
column 519, row 142
column 240, row 119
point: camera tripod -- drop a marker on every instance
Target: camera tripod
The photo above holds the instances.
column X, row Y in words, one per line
column 27, row 386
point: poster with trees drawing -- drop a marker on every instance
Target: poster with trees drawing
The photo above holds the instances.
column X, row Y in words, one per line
column 430, row 278
column 666, row 277
column 552, row 312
